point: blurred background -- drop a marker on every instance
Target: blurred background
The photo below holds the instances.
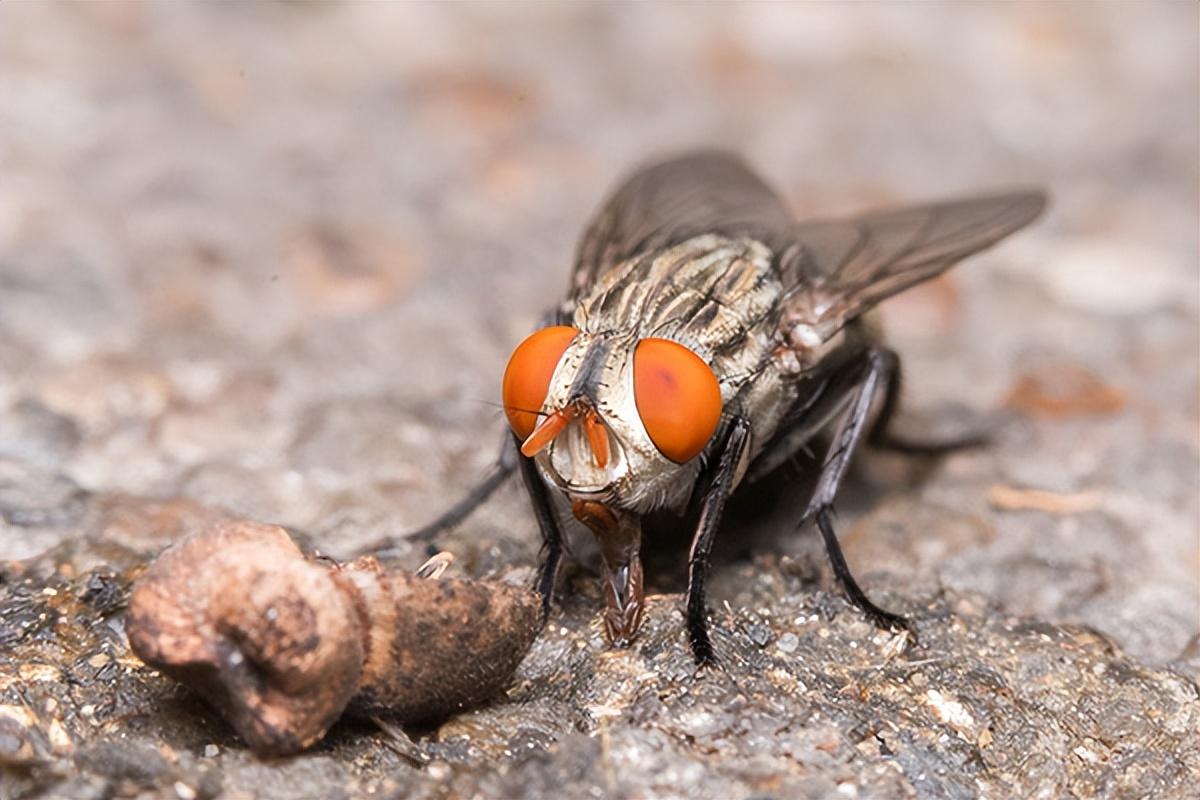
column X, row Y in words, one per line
column 271, row 258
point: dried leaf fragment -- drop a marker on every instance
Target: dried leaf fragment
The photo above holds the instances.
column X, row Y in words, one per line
column 281, row 644
column 237, row 613
column 1011, row 498
column 1058, row 389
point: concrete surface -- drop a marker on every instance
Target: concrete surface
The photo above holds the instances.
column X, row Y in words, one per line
column 270, row 259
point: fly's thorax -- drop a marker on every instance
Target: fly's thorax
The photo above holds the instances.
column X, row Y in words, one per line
column 596, row 372
column 717, row 296
column 711, row 293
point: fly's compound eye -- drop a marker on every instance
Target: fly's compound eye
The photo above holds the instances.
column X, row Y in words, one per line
column 678, row 398
column 527, row 376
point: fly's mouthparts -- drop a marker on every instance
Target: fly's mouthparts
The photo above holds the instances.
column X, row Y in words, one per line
column 620, row 537
column 557, row 422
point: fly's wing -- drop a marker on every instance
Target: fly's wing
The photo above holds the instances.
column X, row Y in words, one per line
column 835, row 270
column 832, row 270
column 673, row 201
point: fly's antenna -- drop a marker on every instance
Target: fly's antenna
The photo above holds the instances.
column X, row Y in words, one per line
column 503, row 407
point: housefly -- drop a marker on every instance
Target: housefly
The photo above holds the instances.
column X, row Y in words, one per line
column 706, row 337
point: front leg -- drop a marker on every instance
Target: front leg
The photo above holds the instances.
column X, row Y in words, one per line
column 506, row 462
column 543, row 509
column 882, row 437
column 732, row 454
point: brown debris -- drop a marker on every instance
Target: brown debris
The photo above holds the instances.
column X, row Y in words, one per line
column 437, row 646
column 343, row 272
column 1011, row 498
column 1057, row 389
column 281, row 643
column 146, row 525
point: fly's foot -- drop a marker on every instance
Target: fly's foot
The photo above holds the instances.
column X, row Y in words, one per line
column 886, row 620
column 703, row 653
column 854, row 593
column 702, row 648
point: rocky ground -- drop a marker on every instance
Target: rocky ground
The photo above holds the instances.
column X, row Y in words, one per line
column 268, row 261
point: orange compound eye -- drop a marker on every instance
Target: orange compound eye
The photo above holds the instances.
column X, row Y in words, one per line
column 527, row 376
column 678, row 398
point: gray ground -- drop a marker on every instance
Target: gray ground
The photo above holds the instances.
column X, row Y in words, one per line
column 271, row 259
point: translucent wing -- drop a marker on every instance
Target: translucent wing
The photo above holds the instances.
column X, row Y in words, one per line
column 835, row 270
column 673, row 201
column 832, row 270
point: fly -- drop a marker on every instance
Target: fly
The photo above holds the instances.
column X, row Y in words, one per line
column 705, row 338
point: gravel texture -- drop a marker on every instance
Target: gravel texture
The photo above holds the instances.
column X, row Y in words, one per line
column 269, row 260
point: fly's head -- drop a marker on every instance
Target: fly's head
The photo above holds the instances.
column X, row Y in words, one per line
column 611, row 418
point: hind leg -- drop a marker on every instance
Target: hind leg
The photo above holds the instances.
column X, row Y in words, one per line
column 883, row 438
column 875, row 371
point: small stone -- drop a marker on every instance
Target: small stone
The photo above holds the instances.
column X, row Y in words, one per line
column 949, row 710
column 211, row 751
column 60, row 741
column 788, row 643
column 1056, row 388
column 1095, row 275
column 759, row 634
column 10, row 744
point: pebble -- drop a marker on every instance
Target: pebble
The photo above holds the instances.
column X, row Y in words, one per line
column 1099, row 276
column 788, row 643
column 759, row 634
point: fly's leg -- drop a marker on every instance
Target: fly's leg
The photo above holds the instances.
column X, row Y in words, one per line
column 713, row 506
column 543, row 509
column 879, row 367
column 509, row 455
column 881, row 618
column 883, row 438
column 476, row 497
